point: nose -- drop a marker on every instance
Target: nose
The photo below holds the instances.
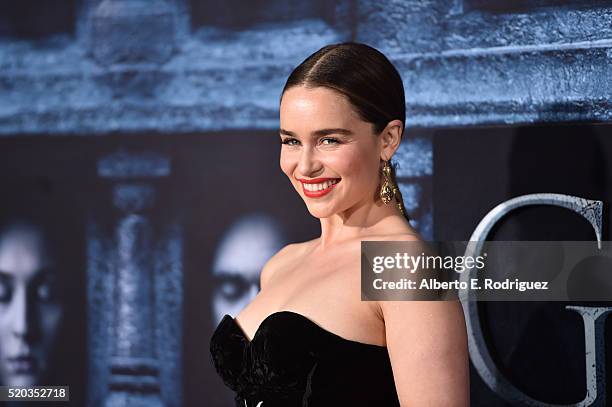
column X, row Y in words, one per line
column 308, row 165
column 20, row 326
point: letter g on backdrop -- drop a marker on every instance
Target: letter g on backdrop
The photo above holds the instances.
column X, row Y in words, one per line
column 593, row 317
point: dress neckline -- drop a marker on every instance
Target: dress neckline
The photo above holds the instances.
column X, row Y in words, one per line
column 307, row 320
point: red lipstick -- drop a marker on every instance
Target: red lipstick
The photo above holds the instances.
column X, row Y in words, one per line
column 321, row 192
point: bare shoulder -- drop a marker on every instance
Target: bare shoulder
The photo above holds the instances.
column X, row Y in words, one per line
column 282, row 258
column 417, row 245
column 395, row 229
column 400, row 237
column 415, row 240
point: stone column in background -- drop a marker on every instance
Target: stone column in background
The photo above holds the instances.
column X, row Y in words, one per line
column 135, row 288
column 134, row 368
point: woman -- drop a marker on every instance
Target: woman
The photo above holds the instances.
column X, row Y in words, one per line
column 42, row 328
column 30, row 311
column 307, row 339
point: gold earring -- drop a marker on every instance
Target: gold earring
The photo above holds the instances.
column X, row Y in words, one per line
column 387, row 190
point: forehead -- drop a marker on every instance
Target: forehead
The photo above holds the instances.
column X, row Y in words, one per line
column 316, row 107
column 22, row 251
column 246, row 248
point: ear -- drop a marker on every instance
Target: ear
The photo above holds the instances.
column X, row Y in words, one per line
column 390, row 139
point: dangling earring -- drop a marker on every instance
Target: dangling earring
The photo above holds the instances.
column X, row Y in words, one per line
column 389, row 189
column 387, row 192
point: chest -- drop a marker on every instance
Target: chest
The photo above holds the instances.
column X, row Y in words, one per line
column 325, row 287
column 329, row 279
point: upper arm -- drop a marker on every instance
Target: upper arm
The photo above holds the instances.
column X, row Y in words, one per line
column 427, row 344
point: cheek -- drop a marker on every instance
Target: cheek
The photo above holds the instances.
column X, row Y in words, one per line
column 7, row 316
column 288, row 162
column 358, row 166
column 4, row 332
column 3, row 318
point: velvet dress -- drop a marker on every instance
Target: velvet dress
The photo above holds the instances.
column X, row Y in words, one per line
column 293, row 362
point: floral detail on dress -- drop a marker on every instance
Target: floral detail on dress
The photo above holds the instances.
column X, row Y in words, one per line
column 269, row 369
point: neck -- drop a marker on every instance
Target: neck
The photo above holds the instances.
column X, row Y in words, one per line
column 361, row 221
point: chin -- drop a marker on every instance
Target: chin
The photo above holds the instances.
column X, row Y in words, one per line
column 320, row 213
column 23, row 380
column 315, row 215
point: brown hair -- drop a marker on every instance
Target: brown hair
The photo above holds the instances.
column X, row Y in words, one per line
column 365, row 77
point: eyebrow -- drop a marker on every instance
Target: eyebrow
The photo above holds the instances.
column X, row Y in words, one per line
column 44, row 272
column 321, row 132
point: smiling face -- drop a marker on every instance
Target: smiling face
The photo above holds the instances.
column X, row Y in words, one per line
column 331, row 155
column 29, row 312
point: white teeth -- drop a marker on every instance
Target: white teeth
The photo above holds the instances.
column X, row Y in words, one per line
column 320, row 186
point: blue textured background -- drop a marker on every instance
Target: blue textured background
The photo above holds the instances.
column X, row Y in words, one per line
column 123, row 98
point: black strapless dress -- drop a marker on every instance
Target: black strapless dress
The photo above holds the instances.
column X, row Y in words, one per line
column 293, row 362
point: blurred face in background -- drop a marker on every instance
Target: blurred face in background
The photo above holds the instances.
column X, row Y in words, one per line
column 243, row 251
column 29, row 309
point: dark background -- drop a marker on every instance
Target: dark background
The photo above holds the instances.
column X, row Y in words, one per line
column 538, row 346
